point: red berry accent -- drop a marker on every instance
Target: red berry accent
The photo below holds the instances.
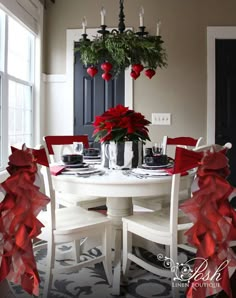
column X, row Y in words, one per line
column 137, row 68
column 106, row 66
column 106, row 76
column 150, row 73
column 134, row 75
column 92, row 71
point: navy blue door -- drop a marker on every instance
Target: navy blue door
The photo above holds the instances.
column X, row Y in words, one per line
column 92, row 96
column 226, row 99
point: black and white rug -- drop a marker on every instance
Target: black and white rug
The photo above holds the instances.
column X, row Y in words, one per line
column 91, row 282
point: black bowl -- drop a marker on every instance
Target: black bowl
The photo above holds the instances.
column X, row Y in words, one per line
column 70, row 159
column 91, row 152
column 156, row 160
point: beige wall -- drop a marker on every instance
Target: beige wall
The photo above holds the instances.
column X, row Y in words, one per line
column 181, row 88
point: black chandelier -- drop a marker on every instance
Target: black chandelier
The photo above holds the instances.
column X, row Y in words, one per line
column 119, row 49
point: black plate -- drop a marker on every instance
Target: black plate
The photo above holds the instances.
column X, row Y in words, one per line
column 91, row 152
column 72, row 159
column 92, row 157
column 78, row 165
column 147, row 167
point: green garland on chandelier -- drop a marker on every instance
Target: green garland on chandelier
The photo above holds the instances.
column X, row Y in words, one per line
column 123, row 50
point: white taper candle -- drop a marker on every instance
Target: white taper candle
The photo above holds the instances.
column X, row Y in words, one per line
column 141, row 13
column 84, row 24
column 158, row 28
column 103, row 13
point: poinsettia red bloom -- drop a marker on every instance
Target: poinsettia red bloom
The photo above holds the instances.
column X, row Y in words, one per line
column 121, row 124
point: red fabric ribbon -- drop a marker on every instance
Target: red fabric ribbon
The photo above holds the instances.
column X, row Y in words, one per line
column 185, row 141
column 214, row 224
column 18, row 223
column 186, row 159
column 40, row 155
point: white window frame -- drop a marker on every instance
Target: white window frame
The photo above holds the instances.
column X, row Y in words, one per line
column 30, row 16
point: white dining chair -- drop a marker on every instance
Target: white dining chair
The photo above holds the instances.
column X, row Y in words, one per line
column 55, row 145
column 164, row 227
column 169, row 146
column 160, row 227
column 71, row 225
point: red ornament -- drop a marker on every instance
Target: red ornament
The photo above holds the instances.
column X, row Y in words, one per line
column 134, row 74
column 137, row 68
column 150, row 73
column 106, row 66
column 92, row 71
column 106, row 76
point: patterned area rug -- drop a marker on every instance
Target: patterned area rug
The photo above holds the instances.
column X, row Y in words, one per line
column 91, row 282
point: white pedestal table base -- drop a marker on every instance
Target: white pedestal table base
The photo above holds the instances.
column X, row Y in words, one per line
column 118, row 207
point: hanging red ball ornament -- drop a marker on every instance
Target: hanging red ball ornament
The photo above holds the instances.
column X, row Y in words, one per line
column 134, row 74
column 106, row 76
column 92, row 71
column 137, row 68
column 106, row 66
column 150, row 73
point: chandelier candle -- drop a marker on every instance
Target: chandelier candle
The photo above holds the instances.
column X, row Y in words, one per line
column 158, row 28
column 103, row 13
column 141, row 13
column 84, row 24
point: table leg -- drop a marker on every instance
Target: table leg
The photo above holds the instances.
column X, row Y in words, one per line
column 118, row 207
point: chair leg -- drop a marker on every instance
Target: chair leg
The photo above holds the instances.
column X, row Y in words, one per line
column 127, row 248
column 49, row 267
column 117, row 264
column 77, row 250
column 106, row 248
column 167, row 251
column 175, row 290
column 174, row 258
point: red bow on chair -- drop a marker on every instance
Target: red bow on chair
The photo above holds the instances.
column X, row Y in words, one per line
column 186, row 159
column 40, row 156
column 18, row 223
column 214, row 223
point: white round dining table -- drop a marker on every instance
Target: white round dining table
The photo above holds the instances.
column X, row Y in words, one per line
column 119, row 189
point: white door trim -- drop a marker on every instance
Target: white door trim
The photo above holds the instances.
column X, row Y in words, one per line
column 73, row 35
column 214, row 33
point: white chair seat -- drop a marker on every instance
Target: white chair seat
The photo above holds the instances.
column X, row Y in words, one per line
column 149, row 222
column 85, row 202
column 157, row 203
column 78, row 219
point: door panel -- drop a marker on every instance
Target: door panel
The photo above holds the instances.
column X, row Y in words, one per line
column 226, row 99
column 92, row 96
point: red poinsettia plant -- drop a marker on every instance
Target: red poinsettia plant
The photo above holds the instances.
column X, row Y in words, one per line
column 120, row 124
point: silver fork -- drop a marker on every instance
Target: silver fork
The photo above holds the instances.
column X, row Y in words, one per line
column 131, row 173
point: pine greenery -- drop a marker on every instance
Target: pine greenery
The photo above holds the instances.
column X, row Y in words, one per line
column 123, row 50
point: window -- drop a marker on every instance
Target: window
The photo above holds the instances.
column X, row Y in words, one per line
column 17, row 51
